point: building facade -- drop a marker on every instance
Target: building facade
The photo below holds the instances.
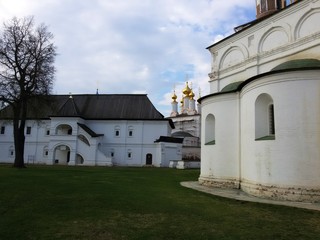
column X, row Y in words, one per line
column 187, row 123
column 261, row 120
column 93, row 130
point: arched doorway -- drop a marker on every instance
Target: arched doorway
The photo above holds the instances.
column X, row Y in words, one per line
column 149, row 159
column 62, row 155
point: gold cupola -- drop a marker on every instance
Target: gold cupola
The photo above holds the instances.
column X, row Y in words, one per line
column 186, row 91
column 174, row 97
column 191, row 95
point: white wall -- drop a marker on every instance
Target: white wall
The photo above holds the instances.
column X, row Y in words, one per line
column 287, row 167
column 289, row 34
column 221, row 160
column 292, row 159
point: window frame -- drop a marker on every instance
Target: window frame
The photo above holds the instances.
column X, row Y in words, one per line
column 3, row 130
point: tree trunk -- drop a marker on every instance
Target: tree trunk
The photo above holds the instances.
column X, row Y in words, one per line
column 19, row 140
column 19, row 123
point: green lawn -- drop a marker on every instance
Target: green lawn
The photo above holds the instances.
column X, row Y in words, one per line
column 49, row 202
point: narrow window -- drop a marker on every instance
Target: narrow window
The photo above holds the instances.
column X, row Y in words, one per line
column 271, row 120
column 264, row 6
column 11, row 151
column 48, row 132
column 112, row 152
column 129, row 154
column 210, row 122
column 28, row 130
column 45, row 151
column 117, row 131
column 3, row 129
column 264, row 118
column 130, row 131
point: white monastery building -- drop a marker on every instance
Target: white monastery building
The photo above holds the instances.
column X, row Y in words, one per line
column 187, row 123
column 97, row 129
column 261, row 120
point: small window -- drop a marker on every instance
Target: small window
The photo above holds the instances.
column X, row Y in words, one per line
column 11, row 151
column 45, row 151
column 28, row 130
column 48, row 132
column 111, row 152
column 130, row 131
column 129, row 154
column 117, row 131
column 3, row 130
column 70, row 131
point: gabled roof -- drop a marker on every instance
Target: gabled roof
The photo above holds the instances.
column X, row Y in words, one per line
column 91, row 106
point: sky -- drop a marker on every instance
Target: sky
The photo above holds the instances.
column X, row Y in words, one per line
column 133, row 46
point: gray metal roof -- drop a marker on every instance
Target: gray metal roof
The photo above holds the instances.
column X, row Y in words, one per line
column 91, row 106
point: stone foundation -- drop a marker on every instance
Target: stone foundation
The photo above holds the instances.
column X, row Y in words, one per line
column 296, row 194
column 273, row 192
column 219, row 183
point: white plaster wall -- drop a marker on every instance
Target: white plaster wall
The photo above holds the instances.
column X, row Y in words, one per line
column 6, row 141
column 98, row 153
column 289, row 34
column 221, row 160
column 190, row 124
column 293, row 158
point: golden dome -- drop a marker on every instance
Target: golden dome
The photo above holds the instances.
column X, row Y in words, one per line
column 186, row 90
column 191, row 95
column 174, row 96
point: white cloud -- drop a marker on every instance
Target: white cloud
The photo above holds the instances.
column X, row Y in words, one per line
column 133, row 46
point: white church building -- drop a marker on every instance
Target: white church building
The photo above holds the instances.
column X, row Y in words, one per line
column 93, row 130
column 261, row 121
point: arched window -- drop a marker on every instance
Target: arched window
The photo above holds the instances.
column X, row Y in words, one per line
column 79, row 159
column 84, row 139
column 210, row 123
column 64, row 129
column 264, row 118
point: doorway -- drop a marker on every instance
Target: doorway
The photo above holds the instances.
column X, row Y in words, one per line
column 149, row 159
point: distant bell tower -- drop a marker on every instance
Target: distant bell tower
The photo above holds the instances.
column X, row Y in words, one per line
column 266, row 7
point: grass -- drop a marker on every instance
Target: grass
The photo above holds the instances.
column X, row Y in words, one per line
column 51, row 202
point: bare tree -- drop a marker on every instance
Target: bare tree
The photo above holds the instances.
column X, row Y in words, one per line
column 27, row 56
